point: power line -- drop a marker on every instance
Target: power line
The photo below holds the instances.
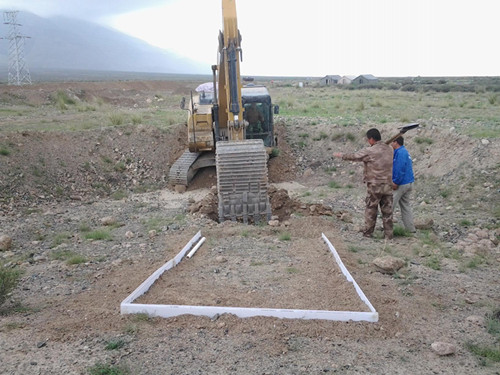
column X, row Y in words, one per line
column 18, row 71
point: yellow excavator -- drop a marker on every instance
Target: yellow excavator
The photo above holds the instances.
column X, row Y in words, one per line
column 230, row 125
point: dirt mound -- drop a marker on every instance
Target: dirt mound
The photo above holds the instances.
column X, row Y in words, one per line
column 282, row 206
column 42, row 166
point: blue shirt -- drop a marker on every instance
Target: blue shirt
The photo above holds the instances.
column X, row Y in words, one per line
column 402, row 170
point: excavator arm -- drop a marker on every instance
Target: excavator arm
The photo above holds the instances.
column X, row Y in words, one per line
column 230, row 106
column 241, row 164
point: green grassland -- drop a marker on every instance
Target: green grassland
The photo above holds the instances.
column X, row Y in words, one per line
column 471, row 105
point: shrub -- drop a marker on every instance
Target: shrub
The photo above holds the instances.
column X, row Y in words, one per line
column 8, row 281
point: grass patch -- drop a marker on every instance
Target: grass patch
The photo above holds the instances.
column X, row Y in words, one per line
column 427, row 237
column 484, row 352
column 493, row 323
column 400, row 231
column 354, row 249
column 465, row 223
column 119, row 195
column 334, row 185
column 321, row 136
column 424, row 140
column 116, row 119
column 66, row 255
column 120, row 166
column 62, row 100
column 8, row 281
column 99, row 235
column 484, row 133
column 156, row 223
column 84, row 227
column 76, row 259
column 434, row 262
column 292, row 270
column 136, row 120
column 115, row 344
column 285, row 236
column 141, row 317
column 4, row 151
column 475, row 262
column 445, row 193
column 61, row 238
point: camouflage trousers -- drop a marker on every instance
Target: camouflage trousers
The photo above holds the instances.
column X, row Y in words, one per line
column 378, row 195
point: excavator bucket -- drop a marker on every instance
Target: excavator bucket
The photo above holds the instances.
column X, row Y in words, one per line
column 242, row 181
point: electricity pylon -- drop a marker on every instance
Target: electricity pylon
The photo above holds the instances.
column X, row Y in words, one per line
column 18, row 72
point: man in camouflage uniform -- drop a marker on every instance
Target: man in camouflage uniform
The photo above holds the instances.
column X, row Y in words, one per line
column 378, row 178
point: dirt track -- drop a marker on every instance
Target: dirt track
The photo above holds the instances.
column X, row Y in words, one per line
column 70, row 312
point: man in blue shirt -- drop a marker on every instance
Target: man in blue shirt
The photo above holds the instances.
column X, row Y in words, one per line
column 402, row 182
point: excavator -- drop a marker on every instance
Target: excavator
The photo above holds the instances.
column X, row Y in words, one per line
column 230, row 126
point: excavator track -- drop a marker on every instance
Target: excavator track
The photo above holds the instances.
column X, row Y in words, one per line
column 181, row 172
column 242, row 181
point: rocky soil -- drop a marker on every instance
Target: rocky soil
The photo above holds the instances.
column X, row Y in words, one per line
column 87, row 216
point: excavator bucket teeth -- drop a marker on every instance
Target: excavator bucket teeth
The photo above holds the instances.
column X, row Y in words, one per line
column 242, row 181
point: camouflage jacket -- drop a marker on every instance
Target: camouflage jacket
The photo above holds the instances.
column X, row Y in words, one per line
column 377, row 160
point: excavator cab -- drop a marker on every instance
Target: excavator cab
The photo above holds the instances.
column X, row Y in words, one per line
column 258, row 113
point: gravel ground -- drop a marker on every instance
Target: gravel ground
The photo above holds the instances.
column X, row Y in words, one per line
column 82, row 249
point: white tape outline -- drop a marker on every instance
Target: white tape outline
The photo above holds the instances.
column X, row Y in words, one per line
column 166, row 311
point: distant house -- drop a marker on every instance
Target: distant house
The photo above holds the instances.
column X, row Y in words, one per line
column 329, row 80
column 346, row 80
column 364, row 79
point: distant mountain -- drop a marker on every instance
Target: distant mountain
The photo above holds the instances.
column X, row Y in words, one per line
column 65, row 43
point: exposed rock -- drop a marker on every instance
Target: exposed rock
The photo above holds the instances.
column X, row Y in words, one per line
column 274, row 223
column 5, row 242
column 443, row 348
column 424, row 223
column 108, row 220
column 180, row 188
column 388, row 264
column 346, row 217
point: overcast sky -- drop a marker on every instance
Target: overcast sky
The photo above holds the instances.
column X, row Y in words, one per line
column 310, row 38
